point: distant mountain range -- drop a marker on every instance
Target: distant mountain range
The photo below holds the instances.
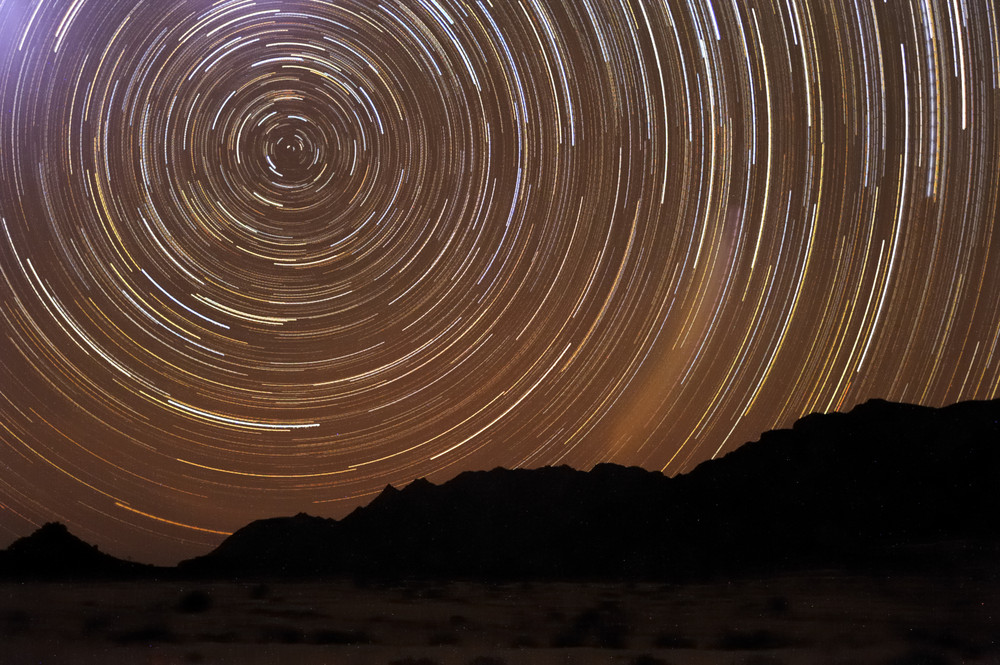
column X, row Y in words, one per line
column 883, row 485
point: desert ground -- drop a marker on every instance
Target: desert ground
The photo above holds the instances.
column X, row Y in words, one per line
column 821, row 618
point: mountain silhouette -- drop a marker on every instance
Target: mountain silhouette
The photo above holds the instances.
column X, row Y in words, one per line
column 885, row 484
column 280, row 546
column 52, row 552
column 868, row 487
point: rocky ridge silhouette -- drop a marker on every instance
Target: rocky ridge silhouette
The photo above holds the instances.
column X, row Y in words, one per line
column 881, row 485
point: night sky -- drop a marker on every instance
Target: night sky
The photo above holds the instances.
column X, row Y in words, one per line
column 260, row 257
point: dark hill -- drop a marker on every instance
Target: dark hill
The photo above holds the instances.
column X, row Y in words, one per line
column 52, row 552
column 869, row 487
column 298, row 546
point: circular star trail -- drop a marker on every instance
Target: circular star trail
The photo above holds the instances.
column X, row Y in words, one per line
column 264, row 256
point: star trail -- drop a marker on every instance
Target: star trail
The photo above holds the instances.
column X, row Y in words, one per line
column 265, row 256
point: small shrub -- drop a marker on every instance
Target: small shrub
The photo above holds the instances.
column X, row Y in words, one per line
column 736, row 640
column 340, row 637
column 16, row 622
column 602, row 626
column 778, row 605
column 487, row 660
column 150, row 634
column 920, row 657
column 95, row 625
column 646, row 659
column 443, row 639
column 942, row 638
column 227, row 637
column 194, row 602
column 260, row 592
column 427, row 592
column 759, row 659
column 281, row 635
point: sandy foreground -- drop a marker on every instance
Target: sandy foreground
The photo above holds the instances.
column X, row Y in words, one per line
column 816, row 618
